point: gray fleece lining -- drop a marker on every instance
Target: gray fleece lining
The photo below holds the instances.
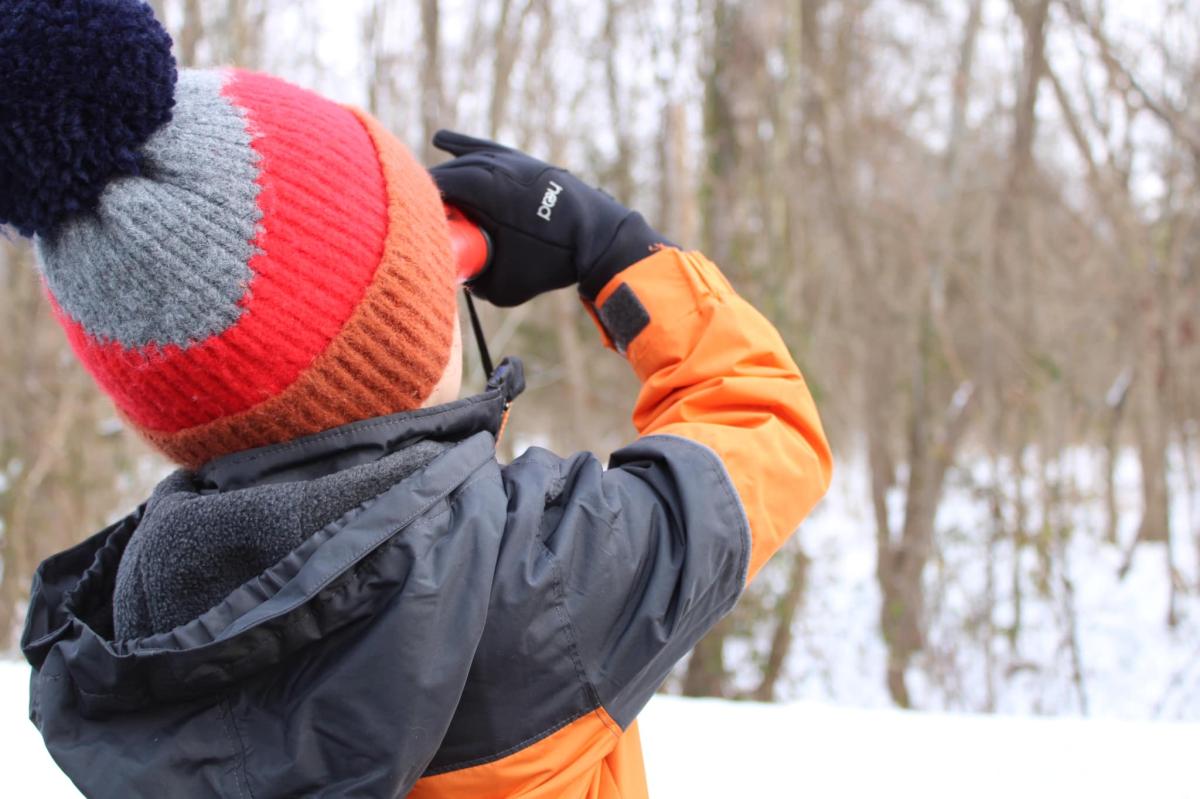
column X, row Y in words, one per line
column 192, row 549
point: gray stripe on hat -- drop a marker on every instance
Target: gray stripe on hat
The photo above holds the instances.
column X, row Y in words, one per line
column 165, row 258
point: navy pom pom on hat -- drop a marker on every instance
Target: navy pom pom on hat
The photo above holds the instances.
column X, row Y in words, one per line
column 84, row 86
column 237, row 261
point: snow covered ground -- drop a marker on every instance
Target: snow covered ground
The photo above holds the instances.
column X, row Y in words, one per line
column 704, row 747
column 1134, row 666
column 700, row 748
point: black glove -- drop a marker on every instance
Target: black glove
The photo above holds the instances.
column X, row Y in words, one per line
column 549, row 229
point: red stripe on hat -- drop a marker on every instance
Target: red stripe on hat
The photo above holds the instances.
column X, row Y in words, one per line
column 320, row 240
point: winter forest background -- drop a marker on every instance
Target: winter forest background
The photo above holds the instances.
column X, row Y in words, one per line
column 976, row 223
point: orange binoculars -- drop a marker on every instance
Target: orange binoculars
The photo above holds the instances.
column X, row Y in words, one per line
column 472, row 255
column 472, row 246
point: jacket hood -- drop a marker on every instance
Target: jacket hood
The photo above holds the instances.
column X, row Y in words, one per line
column 420, row 553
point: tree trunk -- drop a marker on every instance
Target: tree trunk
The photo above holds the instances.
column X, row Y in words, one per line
column 431, row 80
column 190, row 33
column 786, row 607
column 507, row 43
column 706, row 673
column 1152, row 451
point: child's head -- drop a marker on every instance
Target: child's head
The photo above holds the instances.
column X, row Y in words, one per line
column 237, row 261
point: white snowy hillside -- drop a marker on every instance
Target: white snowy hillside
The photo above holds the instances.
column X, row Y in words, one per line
column 1059, row 632
column 699, row 748
column 1092, row 642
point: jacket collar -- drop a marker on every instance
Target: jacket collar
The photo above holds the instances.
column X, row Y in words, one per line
column 257, row 625
column 368, row 440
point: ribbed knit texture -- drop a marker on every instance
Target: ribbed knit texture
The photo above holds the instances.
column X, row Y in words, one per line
column 165, row 258
column 390, row 353
column 342, row 300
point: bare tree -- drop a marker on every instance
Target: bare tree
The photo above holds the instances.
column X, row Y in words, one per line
column 431, row 78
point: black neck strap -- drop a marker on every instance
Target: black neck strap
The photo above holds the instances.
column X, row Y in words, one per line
column 484, row 356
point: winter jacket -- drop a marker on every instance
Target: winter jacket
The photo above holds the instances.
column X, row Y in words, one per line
column 471, row 629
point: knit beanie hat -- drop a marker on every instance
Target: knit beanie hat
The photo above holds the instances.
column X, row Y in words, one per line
column 237, row 261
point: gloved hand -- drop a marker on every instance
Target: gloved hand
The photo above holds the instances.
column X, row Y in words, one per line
column 549, row 229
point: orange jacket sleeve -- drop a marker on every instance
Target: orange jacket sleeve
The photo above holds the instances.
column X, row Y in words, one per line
column 715, row 371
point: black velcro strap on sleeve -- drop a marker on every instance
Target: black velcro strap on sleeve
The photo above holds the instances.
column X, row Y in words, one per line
column 624, row 317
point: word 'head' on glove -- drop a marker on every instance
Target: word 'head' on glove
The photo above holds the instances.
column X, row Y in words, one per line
column 549, row 229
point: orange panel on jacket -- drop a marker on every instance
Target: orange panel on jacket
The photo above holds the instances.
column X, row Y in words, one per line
column 715, row 371
column 587, row 759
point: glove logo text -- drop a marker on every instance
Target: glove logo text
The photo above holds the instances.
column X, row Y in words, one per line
column 549, row 201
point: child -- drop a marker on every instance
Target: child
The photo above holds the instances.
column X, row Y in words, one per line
column 342, row 593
